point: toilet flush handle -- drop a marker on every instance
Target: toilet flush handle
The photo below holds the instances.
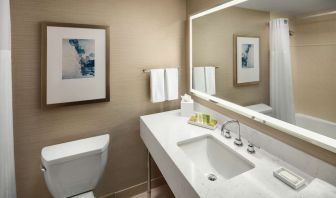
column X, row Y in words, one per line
column 43, row 169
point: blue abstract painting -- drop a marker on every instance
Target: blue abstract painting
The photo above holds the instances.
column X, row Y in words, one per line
column 78, row 58
column 247, row 57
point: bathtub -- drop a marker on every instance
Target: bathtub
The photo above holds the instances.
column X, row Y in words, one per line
column 317, row 125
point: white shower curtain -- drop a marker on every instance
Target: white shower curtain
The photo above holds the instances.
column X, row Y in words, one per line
column 281, row 85
column 7, row 170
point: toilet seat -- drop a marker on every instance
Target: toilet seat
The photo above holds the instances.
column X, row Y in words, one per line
column 85, row 195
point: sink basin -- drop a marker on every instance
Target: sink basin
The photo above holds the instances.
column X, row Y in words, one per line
column 214, row 158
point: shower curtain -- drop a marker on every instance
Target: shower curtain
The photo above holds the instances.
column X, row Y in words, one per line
column 7, row 170
column 281, row 85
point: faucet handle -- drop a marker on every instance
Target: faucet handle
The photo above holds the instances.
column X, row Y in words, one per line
column 226, row 133
column 250, row 148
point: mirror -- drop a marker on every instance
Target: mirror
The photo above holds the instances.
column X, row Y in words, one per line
column 274, row 57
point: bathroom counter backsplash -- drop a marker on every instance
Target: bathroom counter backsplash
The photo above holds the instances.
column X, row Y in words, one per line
column 158, row 132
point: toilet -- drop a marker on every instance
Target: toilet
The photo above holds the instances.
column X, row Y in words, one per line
column 73, row 169
column 262, row 108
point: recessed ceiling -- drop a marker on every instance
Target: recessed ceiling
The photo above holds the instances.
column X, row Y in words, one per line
column 291, row 7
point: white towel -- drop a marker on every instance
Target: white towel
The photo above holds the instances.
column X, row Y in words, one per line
column 157, row 85
column 210, row 80
column 171, row 83
column 199, row 79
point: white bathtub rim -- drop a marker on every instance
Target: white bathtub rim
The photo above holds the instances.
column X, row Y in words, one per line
column 318, row 125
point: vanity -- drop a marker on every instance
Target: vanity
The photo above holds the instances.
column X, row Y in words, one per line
column 267, row 62
column 198, row 162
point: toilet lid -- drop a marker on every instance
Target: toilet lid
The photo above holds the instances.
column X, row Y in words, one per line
column 73, row 150
column 261, row 108
column 85, row 195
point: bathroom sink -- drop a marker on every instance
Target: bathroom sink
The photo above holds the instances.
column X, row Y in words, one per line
column 214, row 158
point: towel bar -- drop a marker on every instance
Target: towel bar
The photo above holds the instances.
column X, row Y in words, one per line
column 148, row 70
column 216, row 67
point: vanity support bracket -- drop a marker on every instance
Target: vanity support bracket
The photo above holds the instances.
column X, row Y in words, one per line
column 149, row 168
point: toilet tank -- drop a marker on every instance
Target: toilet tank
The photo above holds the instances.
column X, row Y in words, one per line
column 74, row 167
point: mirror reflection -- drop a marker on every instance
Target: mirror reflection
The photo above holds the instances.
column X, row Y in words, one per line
column 274, row 57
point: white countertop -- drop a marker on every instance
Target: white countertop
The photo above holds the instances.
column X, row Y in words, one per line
column 168, row 128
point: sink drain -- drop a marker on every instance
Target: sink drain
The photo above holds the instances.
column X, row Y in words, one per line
column 212, row 177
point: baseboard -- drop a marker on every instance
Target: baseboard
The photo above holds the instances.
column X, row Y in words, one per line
column 136, row 189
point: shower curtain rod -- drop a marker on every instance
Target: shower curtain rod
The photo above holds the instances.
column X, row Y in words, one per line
column 291, row 32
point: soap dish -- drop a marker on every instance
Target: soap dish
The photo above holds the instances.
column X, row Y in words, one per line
column 289, row 178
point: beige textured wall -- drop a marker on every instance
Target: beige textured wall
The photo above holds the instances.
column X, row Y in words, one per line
column 302, row 145
column 213, row 45
column 314, row 66
column 144, row 33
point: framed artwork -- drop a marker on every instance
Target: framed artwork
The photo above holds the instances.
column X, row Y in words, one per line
column 246, row 65
column 75, row 64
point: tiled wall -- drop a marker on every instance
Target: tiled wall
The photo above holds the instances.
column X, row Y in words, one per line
column 313, row 49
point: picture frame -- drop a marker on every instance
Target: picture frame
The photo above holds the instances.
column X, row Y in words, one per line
column 74, row 64
column 246, row 56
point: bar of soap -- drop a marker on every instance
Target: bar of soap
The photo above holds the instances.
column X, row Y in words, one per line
column 289, row 178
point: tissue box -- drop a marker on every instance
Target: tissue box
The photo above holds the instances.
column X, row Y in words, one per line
column 187, row 108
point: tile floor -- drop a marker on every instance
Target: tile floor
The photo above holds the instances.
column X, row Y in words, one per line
column 158, row 192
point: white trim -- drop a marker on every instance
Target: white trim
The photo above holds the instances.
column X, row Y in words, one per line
column 190, row 56
column 304, row 134
column 320, row 14
column 217, row 8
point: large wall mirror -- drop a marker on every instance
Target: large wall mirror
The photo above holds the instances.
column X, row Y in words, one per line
column 273, row 61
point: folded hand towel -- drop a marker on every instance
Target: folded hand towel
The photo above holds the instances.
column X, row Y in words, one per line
column 210, row 80
column 199, row 79
column 157, row 85
column 171, row 83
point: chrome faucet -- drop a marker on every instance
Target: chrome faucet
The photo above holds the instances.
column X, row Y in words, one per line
column 227, row 133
